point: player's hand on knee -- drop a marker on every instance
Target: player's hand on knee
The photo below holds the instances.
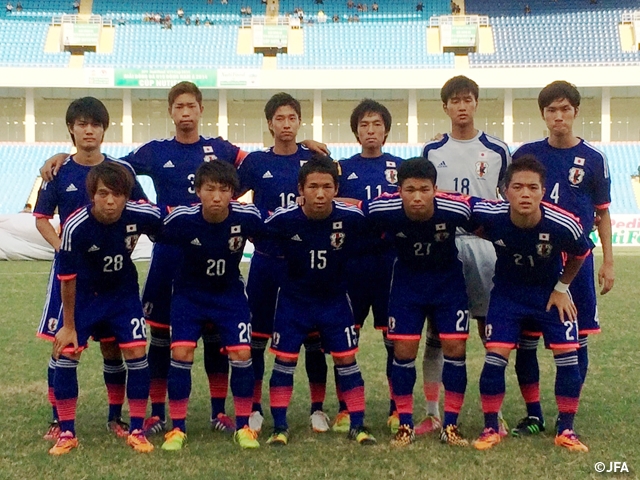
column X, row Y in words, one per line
column 65, row 336
column 566, row 308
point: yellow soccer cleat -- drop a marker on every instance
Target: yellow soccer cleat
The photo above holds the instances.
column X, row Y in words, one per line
column 66, row 442
column 139, row 442
column 174, row 440
column 487, row 439
column 246, row 438
column 569, row 440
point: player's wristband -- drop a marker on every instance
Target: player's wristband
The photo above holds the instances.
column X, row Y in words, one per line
column 561, row 287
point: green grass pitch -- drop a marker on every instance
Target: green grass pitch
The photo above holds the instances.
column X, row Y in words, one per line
column 608, row 419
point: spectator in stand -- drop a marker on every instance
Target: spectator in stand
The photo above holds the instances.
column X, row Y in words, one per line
column 359, row 7
column 28, row 208
column 9, row 7
column 319, row 2
column 243, row 10
column 374, row 7
column 350, row 4
column 365, row 8
column 527, row 9
column 223, row 2
column 322, row 18
column 249, row 12
column 187, row 21
column 76, row 6
column 336, row 19
column 121, row 20
column 197, row 21
column 18, row 7
column 420, row 7
column 180, row 12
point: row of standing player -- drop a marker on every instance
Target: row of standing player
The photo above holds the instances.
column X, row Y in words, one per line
column 381, row 127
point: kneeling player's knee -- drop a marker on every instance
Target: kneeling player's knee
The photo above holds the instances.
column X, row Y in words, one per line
column 134, row 352
column 240, row 355
column 347, row 360
column 405, row 350
column 454, row 348
column 183, row 354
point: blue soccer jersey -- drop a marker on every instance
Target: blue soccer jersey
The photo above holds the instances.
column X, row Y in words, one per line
column 211, row 251
column 422, row 246
column 316, row 251
column 99, row 255
column 577, row 178
column 274, row 181
column 67, row 192
column 530, row 257
column 367, row 178
column 172, row 166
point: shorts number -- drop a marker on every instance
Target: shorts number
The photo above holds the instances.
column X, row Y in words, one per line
column 287, row 199
column 352, row 336
column 421, row 249
column 570, row 326
column 275, row 339
column 555, row 193
column 461, row 185
column 191, row 177
column 378, row 190
column 520, row 262
column 245, row 332
column 488, row 330
column 139, row 329
column 113, row 264
column 462, row 324
column 318, row 259
column 392, row 323
column 216, row 268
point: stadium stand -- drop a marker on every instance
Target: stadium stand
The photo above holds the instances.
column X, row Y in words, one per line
column 499, row 8
column 388, row 9
column 23, row 45
column 39, row 9
column 150, row 46
column 404, row 46
column 588, row 38
column 19, row 164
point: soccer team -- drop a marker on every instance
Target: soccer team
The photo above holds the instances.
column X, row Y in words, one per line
column 332, row 241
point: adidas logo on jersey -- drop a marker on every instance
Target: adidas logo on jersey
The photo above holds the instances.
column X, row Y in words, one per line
column 72, row 188
column 442, row 165
column 401, row 235
column 169, row 164
column 267, row 174
column 296, row 238
column 94, row 248
column 353, row 176
column 500, row 243
column 196, row 242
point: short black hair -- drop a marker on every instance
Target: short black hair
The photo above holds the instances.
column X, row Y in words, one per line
column 184, row 87
column 558, row 90
column 318, row 163
column 217, row 171
column 89, row 109
column 417, row 167
column 370, row 106
column 459, row 85
column 526, row 163
column 281, row 99
column 115, row 177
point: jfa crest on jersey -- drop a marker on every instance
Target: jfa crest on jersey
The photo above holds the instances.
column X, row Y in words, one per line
column 576, row 175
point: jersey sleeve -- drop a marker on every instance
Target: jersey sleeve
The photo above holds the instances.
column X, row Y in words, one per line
column 172, row 228
column 47, row 201
column 246, row 174
column 227, row 151
column 574, row 240
column 69, row 255
column 601, row 188
column 141, row 159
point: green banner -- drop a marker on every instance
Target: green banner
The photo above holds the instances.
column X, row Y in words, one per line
column 162, row 78
column 463, row 35
column 81, row 34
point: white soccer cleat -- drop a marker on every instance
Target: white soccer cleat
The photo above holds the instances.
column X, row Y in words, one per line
column 319, row 421
column 255, row 421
